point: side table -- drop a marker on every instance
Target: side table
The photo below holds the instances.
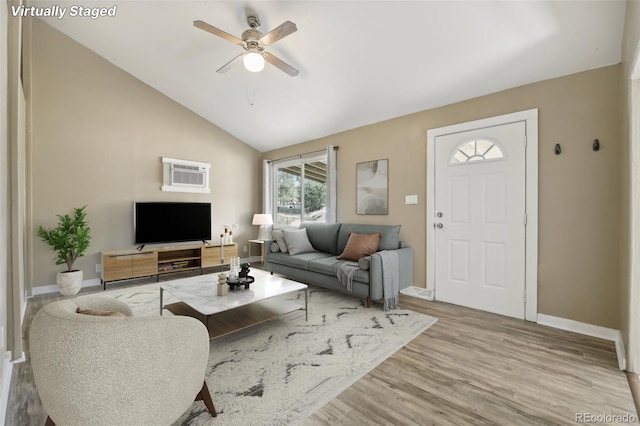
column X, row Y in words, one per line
column 261, row 243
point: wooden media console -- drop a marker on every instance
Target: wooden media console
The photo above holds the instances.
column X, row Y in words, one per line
column 133, row 263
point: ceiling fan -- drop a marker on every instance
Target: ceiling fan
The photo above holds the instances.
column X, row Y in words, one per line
column 254, row 42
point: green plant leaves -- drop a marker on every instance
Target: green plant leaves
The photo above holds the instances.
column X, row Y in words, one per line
column 70, row 239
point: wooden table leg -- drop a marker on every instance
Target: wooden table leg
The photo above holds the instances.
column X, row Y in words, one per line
column 205, row 397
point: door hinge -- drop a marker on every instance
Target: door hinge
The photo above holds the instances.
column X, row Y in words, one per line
column 525, row 218
column 525, row 141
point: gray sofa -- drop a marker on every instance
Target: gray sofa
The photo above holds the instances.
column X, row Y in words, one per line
column 330, row 239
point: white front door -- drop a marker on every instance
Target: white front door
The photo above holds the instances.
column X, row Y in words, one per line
column 480, row 193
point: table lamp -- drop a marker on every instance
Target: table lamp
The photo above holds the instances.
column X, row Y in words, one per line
column 265, row 221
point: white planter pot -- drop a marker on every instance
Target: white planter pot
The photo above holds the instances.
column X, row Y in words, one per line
column 69, row 283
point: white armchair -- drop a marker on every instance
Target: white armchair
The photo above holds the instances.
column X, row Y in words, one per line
column 95, row 370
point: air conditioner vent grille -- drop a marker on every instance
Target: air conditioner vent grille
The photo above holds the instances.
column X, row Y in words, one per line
column 179, row 177
column 185, row 167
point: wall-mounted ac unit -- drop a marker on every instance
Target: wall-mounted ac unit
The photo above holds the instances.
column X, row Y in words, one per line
column 185, row 176
column 189, row 175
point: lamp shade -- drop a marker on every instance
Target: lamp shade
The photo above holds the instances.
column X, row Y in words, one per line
column 262, row 219
column 265, row 221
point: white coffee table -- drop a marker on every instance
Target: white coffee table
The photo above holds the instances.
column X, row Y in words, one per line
column 239, row 308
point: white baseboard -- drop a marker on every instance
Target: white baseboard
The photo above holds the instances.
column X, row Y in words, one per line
column 589, row 330
column 47, row 289
column 5, row 385
column 418, row 292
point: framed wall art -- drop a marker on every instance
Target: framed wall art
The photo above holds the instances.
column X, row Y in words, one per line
column 372, row 187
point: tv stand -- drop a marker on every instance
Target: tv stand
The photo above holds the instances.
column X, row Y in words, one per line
column 156, row 261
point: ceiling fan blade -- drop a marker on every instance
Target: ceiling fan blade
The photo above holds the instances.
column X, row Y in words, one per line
column 280, row 64
column 279, row 33
column 215, row 31
column 226, row 67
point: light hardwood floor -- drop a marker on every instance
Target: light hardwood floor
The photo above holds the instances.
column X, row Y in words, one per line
column 473, row 367
column 470, row 368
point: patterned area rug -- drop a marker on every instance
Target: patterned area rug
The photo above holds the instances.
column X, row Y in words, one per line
column 282, row 371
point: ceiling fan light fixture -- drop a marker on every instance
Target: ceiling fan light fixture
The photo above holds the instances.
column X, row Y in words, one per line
column 253, row 62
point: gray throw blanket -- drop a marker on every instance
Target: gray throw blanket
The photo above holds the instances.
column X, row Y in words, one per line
column 390, row 278
column 345, row 269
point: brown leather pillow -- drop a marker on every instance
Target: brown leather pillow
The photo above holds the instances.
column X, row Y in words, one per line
column 99, row 313
column 360, row 245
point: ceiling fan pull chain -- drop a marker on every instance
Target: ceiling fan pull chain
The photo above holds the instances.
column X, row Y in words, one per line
column 249, row 97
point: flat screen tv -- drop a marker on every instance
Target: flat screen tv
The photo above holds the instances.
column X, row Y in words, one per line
column 164, row 222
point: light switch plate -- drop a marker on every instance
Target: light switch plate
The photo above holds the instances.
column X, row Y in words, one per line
column 411, row 199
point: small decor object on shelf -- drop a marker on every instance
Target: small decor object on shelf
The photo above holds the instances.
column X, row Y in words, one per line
column 239, row 275
column 234, row 269
column 244, row 277
column 223, row 289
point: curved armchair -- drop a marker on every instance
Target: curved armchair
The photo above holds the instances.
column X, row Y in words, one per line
column 96, row 370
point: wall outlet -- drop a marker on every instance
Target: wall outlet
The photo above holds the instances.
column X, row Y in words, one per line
column 98, row 267
column 411, row 199
column 244, row 248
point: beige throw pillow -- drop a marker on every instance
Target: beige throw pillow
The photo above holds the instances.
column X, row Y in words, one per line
column 99, row 313
column 360, row 245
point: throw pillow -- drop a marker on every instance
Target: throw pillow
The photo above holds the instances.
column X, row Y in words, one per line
column 277, row 235
column 275, row 248
column 297, row 241
column 99, row 313
column 364, row 263
column 360, row 245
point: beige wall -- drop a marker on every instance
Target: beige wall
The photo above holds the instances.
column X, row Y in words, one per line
column 630, row 190
column 579, row 201
column 98, row 138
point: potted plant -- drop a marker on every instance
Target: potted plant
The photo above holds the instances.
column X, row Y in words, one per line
column 70, row 240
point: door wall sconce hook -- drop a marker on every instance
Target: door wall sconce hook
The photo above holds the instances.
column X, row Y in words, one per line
column 557, row 149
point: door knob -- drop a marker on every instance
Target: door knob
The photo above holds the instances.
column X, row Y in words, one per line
column 439, row 225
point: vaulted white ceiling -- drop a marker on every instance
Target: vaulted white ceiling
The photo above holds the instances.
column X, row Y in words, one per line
column 360, row 62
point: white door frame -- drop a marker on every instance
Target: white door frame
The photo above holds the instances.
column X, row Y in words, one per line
column 530, row 117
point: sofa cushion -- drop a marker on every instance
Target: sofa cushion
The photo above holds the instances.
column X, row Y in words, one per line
column 297, row 241
column 326, row 266
column 300, row 261
column 276, row 234
column 390, row 235
column 323, row 236
column 360, row 245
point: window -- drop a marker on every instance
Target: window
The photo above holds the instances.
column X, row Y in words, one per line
column 301, row 191
column 301, row 188
column 476, row 150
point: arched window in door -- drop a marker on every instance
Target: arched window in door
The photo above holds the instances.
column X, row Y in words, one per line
column 476, row 150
